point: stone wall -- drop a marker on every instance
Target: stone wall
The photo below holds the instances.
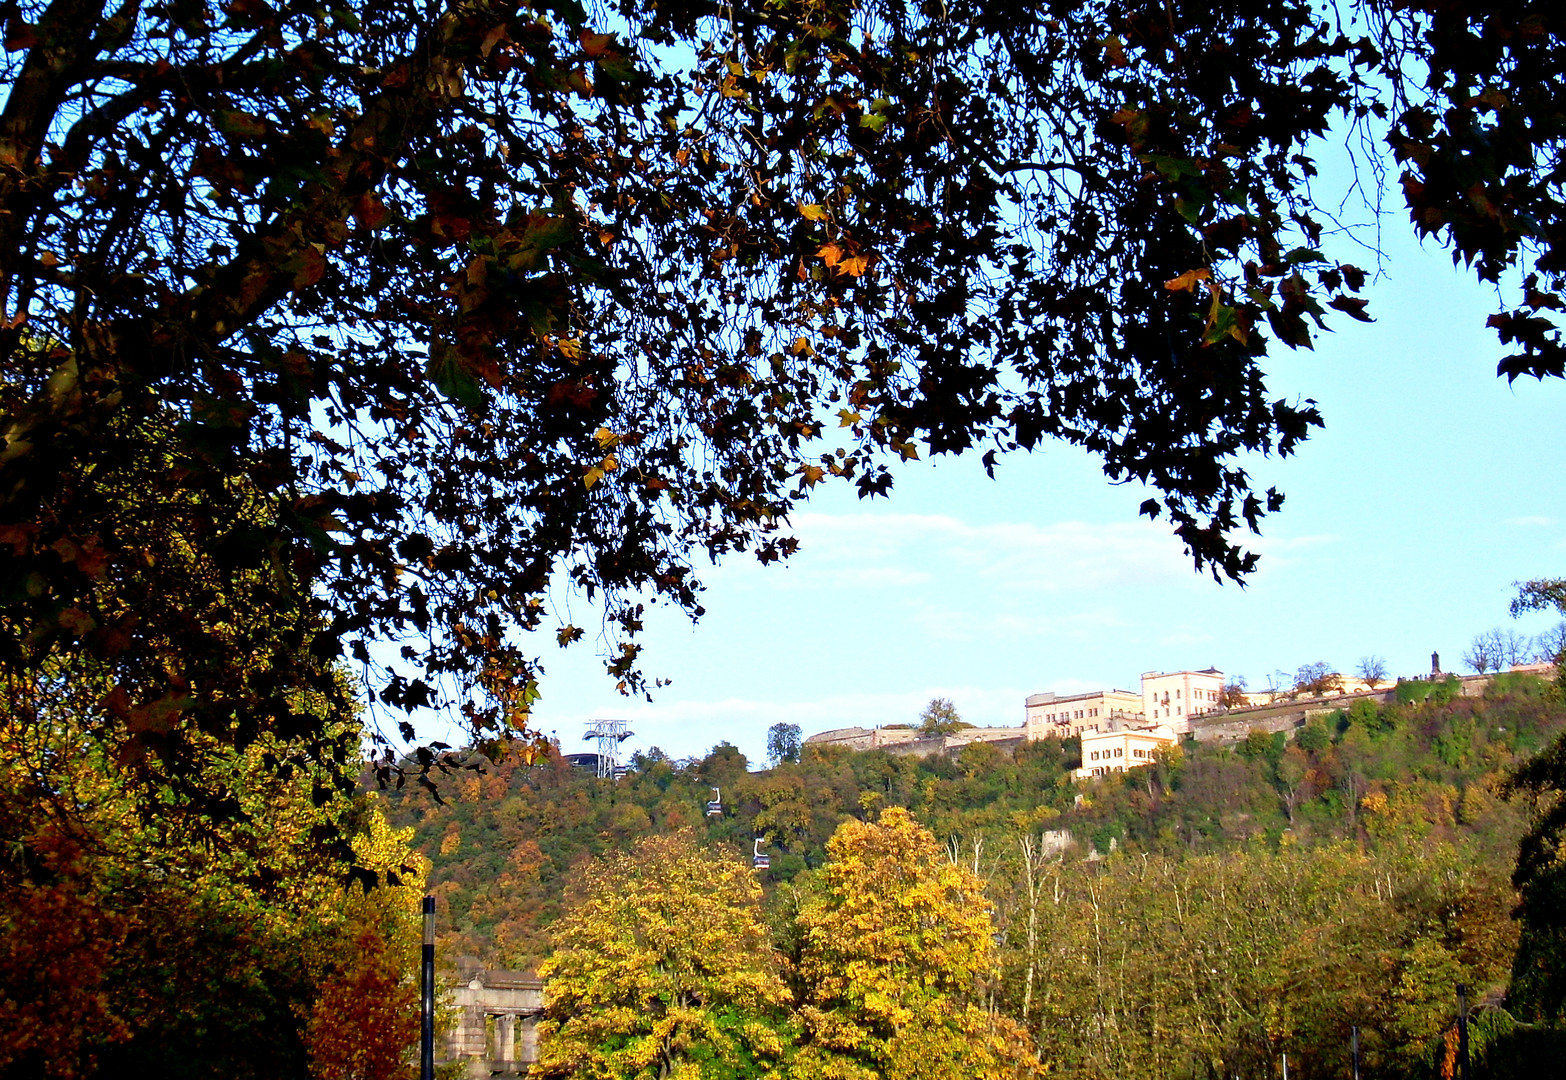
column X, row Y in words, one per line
column 1236, row 724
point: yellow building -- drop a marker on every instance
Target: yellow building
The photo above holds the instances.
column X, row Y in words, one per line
column 1074, row 714
column 1177, row 697
column 1105, row 752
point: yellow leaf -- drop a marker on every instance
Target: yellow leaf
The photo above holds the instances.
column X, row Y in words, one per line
column 856, row 266
column 813, row 211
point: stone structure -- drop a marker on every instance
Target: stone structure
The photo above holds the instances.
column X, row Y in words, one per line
column 1075, row 714
column 497, row 1025
column 909, row 741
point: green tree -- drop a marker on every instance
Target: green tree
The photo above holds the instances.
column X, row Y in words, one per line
column 940, row 717
column 1538, row 987
column 783, row 743
column 475, row 296
column 662, row 969
column 1546, row 594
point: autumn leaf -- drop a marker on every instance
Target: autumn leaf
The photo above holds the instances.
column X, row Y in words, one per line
column 1352, row 306
column 596, row 45
column 369, row 212
column 1188, row 281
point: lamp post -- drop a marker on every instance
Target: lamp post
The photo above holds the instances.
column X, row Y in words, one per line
column 427, row 995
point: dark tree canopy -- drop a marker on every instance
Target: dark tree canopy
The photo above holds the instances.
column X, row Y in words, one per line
column 783, row 742
column 406, row 311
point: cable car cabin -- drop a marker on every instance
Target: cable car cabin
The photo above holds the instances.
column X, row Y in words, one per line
column 758, row 860
column 715, row 807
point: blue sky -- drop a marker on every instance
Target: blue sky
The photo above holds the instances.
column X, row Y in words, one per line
column 1433, row 487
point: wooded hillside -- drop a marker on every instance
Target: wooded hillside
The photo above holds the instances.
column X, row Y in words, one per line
column 1223, row 906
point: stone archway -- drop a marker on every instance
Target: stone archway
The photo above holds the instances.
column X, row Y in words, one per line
column 510, row 1003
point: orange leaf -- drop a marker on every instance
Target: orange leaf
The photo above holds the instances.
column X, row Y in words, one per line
column 596, row 45
column 1188, row 281
column 369, row 212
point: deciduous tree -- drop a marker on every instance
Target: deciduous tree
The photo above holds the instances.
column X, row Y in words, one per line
column 662, row 969
column 783, row 743
column 1316, row 678
column 1372, row 669
column 940, row 717
column 472, row 296
column 894, row 943
column 144, row 937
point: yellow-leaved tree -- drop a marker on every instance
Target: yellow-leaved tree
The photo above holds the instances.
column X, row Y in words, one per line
column 893, row 944
column 663, row 969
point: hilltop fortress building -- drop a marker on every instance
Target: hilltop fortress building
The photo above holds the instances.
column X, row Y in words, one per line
column 1076, row 713
column 1169, row 699
column 1162, row 712
column 1120, row 730
column 1175, row 698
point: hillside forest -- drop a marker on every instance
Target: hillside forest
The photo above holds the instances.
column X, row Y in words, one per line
column 1200, row 917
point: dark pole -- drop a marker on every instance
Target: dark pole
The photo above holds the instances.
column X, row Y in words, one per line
column 1462, row 1031
column 1354, row 1046
column 427, row 995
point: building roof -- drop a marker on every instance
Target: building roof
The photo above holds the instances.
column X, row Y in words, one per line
column 1051, row 699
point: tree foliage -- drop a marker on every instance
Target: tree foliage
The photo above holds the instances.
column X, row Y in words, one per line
column 1316, row 678
column 940, row 717
column 141, row 937
column 662, row 969
column 894, row 944
column 465, row 294
column 783, row 743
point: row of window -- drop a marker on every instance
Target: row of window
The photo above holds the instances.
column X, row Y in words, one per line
column 1136, row 752
column 1196, row 695
column 1068, row 714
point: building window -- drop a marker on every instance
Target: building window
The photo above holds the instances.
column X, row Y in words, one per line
column 1119, row 752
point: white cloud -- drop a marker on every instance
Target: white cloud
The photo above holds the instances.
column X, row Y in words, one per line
column 849, row 549
column 1532, row 520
